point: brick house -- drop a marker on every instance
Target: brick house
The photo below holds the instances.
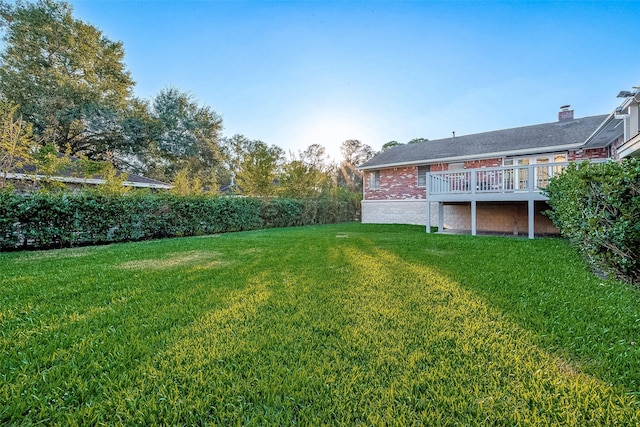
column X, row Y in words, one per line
column 488, row 181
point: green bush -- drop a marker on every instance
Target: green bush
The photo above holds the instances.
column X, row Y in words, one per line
column 597, row 206
column 281, row 212
column 46, row 220
column 9, row 235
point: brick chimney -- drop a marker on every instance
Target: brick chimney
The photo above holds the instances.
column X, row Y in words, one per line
column 565, row 113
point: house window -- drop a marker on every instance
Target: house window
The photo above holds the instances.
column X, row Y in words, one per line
column 540, row 159
column 518, row 178
column 374, row 180
column 422, row 175
column 455, row 166
column 559, row 158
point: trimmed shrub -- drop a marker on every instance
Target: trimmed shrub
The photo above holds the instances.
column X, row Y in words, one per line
column 281, row 213
column 9, row 233
column 597, row 206
column 48, row 220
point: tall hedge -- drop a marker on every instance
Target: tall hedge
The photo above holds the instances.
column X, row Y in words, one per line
column 46, row 220
column 597, row 206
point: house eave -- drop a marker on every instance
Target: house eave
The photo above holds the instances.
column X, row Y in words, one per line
column 630, row 148
column 605, row 134
column 481, row 156
column 147, row 185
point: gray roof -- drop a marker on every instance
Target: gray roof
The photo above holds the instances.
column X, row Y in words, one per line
column 143, row 181
column 524, row 140
column 71, row 174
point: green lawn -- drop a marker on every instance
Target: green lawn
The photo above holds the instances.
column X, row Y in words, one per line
column 347, row 324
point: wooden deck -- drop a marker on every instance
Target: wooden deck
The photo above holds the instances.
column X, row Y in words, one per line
column 522, row 183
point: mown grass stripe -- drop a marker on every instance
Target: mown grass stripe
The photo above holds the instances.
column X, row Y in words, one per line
column 348, row 324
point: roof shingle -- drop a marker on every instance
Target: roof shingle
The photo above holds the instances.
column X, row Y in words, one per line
column 534, row 138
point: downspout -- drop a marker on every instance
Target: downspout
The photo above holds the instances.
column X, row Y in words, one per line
column 625, row 123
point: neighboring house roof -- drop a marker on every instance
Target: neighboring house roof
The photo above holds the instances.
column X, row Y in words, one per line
column 622, row 122
column 560, row 135
column 70, row 175
column 228, row 188
column 134, row 180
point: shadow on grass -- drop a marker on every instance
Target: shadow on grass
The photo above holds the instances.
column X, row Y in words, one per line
column 545, row 287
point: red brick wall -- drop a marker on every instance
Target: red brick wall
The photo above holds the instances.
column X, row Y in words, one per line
column 502, row 217
column 590, row 153
column 486, row 163
column 471, row 164
column 396, row 184
column 614, row 148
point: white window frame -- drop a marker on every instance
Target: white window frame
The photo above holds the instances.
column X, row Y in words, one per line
column 374, row 180
column 533, row 160
column 422, row 175
column 522, row 176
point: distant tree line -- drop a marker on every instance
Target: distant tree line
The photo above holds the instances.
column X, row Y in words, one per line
column 64, row 88
column 392, row 144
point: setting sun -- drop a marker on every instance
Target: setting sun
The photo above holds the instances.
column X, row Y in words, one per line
column 330, row 129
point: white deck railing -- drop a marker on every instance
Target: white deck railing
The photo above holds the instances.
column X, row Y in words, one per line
column 508, row 183
column 506, row 179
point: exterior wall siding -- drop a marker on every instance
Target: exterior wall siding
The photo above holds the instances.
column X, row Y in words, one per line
column 485, row 163
column 508, row 218
column 500, row 217
column 396, row 184
column 397, row 212
column 614, row 148
column 588, row 154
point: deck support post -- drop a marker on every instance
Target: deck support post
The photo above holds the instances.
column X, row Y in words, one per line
column 473, row 217
column 531, row 217
column 428, row 216
column 440, row 217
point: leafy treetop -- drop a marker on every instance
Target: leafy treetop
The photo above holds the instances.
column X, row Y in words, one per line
column 68, row 78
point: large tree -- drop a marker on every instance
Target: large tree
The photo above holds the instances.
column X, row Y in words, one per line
column 254, row 165
column 185, row 136
column 68, row 78
column 354, row 153
column 16, row 142
column 305, row 175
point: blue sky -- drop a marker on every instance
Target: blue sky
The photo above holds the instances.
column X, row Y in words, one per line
column 294, row 73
